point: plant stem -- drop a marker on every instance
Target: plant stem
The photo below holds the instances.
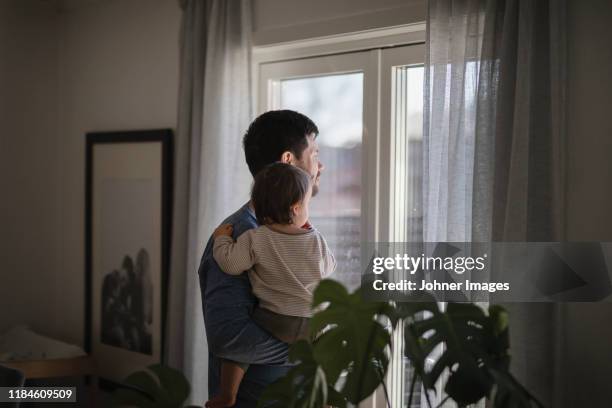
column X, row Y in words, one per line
column 381, row 375
column 443, row 401
column 365, row 359
column 411, row 394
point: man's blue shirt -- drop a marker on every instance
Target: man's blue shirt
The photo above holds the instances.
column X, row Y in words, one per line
column 227, row 303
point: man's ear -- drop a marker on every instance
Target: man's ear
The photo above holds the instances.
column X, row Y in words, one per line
column 287, row 157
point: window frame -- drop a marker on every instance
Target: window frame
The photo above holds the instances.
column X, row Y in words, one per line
column 391, row 58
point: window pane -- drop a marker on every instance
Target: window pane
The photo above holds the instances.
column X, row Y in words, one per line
column 335, row 104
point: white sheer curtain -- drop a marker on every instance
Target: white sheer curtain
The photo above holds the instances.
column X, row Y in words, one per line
column 493, row 146
column 211, row 177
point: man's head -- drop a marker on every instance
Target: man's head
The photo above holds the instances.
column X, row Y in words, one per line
column 286, row 136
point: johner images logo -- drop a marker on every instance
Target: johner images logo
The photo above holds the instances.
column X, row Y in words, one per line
column 501, row 271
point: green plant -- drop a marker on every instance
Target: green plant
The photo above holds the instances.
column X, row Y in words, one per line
column 354, row 342
column 349, row 358
column 158, row 386
column 475, row 352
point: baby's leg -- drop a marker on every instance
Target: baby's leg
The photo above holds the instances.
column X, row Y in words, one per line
column 231, row 376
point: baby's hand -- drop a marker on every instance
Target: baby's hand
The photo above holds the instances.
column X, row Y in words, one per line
column 223, row 230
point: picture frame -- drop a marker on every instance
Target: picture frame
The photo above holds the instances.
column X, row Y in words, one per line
column 128, row 198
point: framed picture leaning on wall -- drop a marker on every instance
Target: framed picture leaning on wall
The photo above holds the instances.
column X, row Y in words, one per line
column 127, row 231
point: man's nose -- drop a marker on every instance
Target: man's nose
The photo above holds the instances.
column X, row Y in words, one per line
column 321, row 167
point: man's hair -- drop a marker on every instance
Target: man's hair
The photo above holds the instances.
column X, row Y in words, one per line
column 272, row 134
column 276, row 188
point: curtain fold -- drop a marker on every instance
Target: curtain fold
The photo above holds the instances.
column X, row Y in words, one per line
column 211, row 177
column 494, row 140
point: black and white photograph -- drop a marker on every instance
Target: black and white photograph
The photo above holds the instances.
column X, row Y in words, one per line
column 127, row 305
column 127, row 243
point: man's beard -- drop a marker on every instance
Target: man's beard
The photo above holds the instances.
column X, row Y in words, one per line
column 315, row 184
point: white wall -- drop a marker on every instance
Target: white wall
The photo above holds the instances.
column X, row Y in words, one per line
column 118, row 71
column 103, row 66
column 29, row 163
column 99, row 65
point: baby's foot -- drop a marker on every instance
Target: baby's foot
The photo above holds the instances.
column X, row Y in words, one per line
column 221, row 401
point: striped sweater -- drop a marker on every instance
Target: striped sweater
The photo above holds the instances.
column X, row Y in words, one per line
column 284, row 269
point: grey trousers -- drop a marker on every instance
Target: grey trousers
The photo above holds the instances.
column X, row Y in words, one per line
column 288, row 329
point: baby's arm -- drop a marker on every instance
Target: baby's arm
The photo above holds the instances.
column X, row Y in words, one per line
column 328, row 261
column 233, row 257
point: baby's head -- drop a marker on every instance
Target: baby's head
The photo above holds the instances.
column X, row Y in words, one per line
column 281, row 193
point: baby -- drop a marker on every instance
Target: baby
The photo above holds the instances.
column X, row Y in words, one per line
column 288, row 258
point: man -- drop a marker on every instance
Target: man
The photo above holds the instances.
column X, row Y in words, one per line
column 227, row 301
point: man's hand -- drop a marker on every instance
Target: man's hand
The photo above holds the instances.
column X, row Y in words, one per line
column 223, row 230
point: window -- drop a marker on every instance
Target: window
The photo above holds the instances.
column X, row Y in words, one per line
column 368, row 106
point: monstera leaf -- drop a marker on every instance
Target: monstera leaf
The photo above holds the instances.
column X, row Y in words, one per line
column 349, row 357
column 347, row 361
column 473, row 350
column 354, row 342
column 305, row 386
column 456, row 331
column 156, row 387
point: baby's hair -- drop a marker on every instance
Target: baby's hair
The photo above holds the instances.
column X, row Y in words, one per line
column 276, row 188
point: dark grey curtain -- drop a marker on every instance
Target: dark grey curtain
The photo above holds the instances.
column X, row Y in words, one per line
column 494, row 140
